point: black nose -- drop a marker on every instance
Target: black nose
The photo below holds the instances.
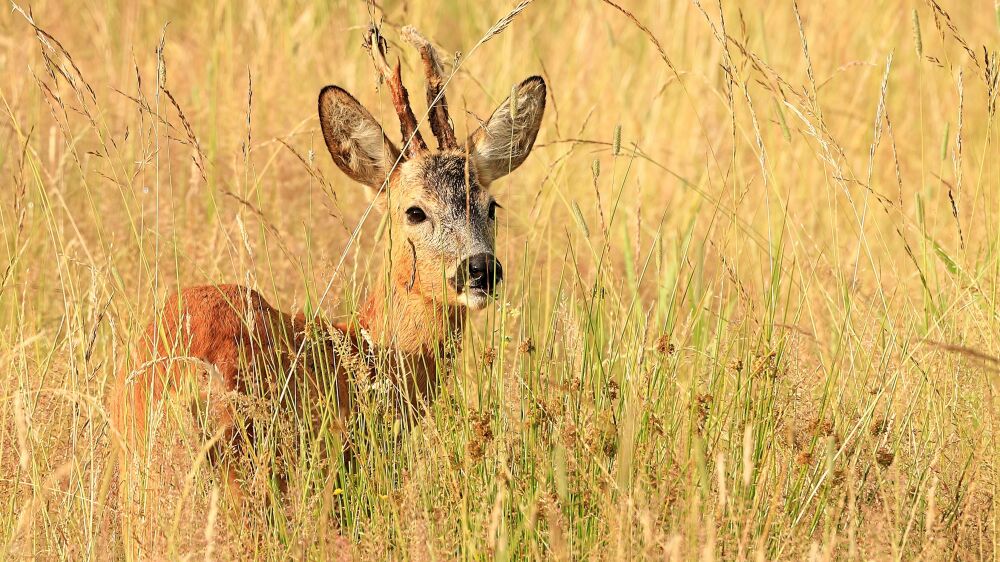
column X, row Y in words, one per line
column 481, row 271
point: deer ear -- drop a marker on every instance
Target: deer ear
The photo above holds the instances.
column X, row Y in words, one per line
column 355, row 140
column 505, row 141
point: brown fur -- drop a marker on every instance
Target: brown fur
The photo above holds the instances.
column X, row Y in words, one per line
column 229, row 331
column 231, row 336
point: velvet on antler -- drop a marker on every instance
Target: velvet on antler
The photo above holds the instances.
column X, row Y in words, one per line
column 413, row 142
column 437, row 103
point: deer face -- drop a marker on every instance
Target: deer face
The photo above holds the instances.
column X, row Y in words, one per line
column 445, row 219
column 442, row 217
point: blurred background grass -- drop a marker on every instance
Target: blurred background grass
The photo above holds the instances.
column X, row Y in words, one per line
column 764, row 327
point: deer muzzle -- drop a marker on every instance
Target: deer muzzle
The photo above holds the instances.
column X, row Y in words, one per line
column 480, row 273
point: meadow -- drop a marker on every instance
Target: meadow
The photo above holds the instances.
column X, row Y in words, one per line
column 750, row 304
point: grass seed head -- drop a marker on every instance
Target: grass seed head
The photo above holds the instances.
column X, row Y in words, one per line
column 663, row 345
column 489, row 356
column 527, row 346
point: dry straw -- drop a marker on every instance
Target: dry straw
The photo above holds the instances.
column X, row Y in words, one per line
column 596, row 450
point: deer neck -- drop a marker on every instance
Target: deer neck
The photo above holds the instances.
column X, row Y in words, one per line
column 397, row 318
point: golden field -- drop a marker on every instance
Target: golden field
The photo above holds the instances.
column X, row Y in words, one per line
column 750, row 308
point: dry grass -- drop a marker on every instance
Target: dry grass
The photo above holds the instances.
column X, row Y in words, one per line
column 771, row 333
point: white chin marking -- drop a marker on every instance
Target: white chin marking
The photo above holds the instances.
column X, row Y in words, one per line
column 473, row 300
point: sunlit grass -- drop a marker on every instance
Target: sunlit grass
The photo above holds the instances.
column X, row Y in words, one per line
column 750, row 298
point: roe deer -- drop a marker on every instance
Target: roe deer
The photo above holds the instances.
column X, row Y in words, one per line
column 441, row 225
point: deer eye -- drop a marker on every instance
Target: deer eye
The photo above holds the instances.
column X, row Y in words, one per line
column 415, row 215
column 493, row 210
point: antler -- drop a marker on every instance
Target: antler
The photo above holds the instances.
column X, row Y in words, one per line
column 412, row 140
column 436, row 102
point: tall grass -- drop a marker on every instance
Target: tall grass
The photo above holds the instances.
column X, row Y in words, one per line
column 751, row 294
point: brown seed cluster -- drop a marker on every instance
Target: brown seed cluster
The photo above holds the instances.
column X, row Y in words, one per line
column 610, row 447
column 821, row 427
column 489, row 356
column 839, row 476
column 540, row 414
column 884, row 457
column 879, row 426
column 569, row 434
column 526, row 346
column 482, row 435
column 613, row 390
column 576, row 384
column 766, row 364
column 804, row 458
column 663, row 345
column 703, row 405
column 815, row 429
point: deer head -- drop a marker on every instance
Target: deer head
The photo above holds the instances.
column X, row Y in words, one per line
column 441, row 214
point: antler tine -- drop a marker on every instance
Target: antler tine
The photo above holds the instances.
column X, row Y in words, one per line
column 436, row 102
column 412, row 140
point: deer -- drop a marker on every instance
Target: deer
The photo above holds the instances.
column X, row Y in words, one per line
column 441, row 265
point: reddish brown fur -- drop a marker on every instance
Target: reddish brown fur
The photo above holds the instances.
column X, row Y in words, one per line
column 228, row 327
column 241, row 342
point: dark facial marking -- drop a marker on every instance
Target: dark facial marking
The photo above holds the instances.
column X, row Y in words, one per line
column 413, row 273
column 450, row 179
